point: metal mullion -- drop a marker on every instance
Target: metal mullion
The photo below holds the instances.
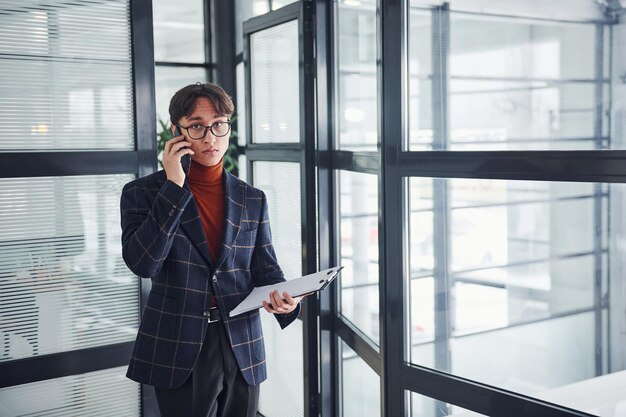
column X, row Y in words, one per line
column 364, row 162
column 144, row 110
column 274, row 18
column 578, row 166
column 359, row 343
column 143, row 85
column 481, row 398
column 47, row 164
column 393, row 251
column 308, row 185
column 208, row 38
column 220, row 44
column 247, row 71
column 329, row 360
column 57, row 365
column 207, row 65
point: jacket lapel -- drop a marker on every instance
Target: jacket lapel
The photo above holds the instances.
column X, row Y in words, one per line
column 234, row 199
column 191, row 223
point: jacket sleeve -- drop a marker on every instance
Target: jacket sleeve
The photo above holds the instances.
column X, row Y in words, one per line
column 148, row 227
column 265, row 268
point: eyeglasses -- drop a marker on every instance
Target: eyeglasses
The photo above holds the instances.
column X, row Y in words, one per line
column 198, row 131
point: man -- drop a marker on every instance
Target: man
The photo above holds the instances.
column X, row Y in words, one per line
column 203, row 237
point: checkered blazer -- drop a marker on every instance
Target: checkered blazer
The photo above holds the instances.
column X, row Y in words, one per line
column 163, row 239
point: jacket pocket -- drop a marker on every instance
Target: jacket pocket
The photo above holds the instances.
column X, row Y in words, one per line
column 158, row 326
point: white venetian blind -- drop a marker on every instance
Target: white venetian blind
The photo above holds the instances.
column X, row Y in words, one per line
column 100, row 393
column 275, row 84
column 65, row 75
column 285, row 363
column 63, row 283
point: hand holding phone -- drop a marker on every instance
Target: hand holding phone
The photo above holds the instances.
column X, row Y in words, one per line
column 175, row 150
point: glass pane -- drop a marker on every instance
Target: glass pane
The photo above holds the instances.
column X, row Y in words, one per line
column 102, row 393
column 357, row 74
column 63, row 283
column 500, row 115
column 168, row 80
column 510, row 273
column 281, row 183
column 244, row 10
column 179, row 30
column 275, row 84
column 358, row 242
column 422, row 406
column 506, row 83
column 499, row 47
column 62, row 86
column 360, row 386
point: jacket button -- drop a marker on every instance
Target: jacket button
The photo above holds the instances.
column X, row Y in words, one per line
column 214, row 278
column 206, row 314
column 171, row 213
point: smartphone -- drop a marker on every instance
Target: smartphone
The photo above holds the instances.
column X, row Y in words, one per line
column 185, row 160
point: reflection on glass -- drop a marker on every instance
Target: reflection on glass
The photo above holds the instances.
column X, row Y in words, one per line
column 107, row 392
column 280, row 181
column 179, row 31
column 168, row 80
column 63, row 283
column 504, row 83
column 360, row 386
column 359, row 250
column 510, row 283
column 357, row 71
column 422, row 406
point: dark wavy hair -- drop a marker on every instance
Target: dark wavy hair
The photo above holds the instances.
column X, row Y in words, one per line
column 183, row 103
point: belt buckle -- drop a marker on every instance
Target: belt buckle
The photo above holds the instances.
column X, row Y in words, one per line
column 214, row 315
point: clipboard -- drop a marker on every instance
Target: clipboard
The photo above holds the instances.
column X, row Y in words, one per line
column 294, row 287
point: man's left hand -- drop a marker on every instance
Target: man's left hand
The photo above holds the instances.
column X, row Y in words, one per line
column 281, row 305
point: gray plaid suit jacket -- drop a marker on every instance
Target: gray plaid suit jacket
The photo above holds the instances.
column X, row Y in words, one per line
column 163, row 239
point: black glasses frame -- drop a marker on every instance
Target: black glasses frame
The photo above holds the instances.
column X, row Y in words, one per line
column 206, row 129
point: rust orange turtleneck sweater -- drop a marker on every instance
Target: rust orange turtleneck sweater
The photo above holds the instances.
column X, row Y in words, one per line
column 208, row 192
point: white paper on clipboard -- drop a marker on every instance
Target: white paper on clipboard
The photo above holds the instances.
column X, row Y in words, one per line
column 294, row 287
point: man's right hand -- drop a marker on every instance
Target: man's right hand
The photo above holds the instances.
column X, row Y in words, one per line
column 172, row 153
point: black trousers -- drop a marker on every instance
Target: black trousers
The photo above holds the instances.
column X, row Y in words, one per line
column 215, row 387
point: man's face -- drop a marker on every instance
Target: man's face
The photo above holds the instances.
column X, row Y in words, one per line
column 209, row 150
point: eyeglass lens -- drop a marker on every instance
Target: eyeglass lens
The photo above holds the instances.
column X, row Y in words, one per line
column 218, row 129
